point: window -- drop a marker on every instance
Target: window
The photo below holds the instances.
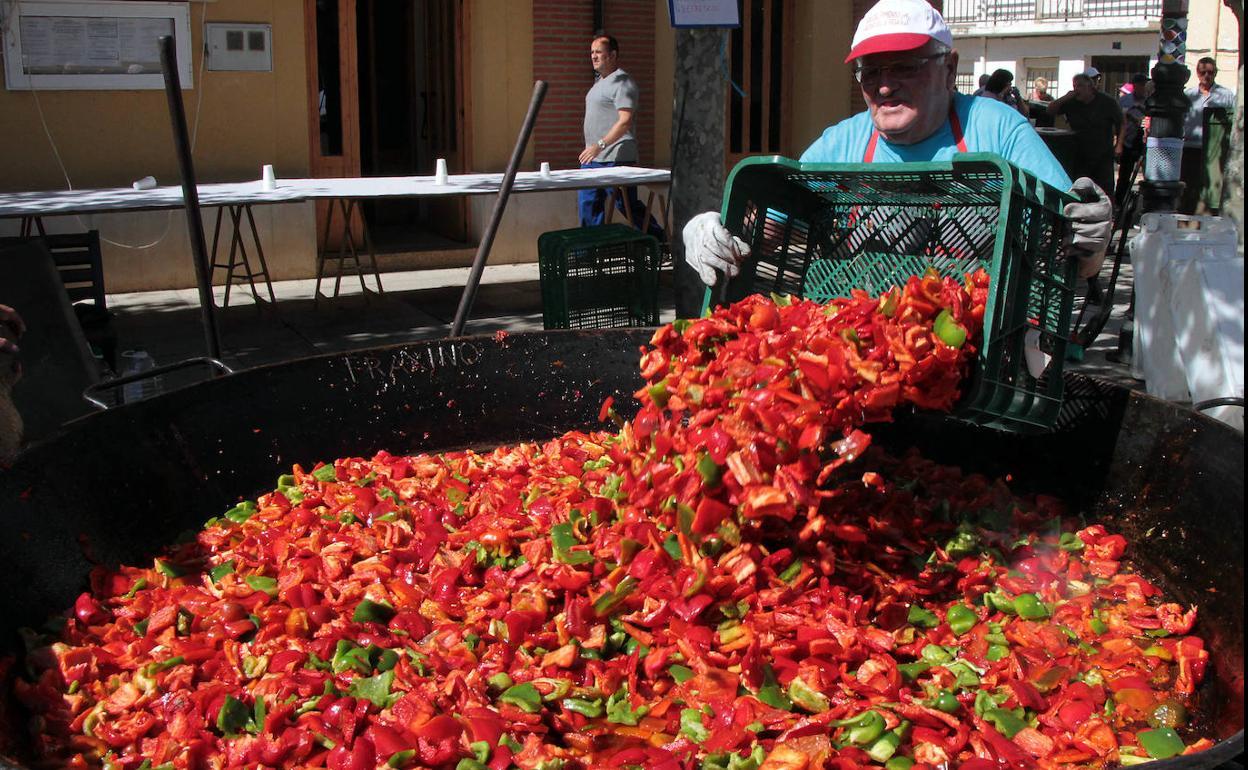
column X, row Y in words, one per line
column 1038, row 68
column 965, row 82
column 90, row 46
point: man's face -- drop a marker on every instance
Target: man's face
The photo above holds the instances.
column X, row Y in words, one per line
column 908, row 92
column 1206, row 73
column 1084, row 89
column 601, row 57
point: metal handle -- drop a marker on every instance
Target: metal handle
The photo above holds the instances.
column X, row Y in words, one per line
column 89, row 393
column 1201, row 406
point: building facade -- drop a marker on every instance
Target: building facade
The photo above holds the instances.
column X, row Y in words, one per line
column 385, row 87
column 1058, row 39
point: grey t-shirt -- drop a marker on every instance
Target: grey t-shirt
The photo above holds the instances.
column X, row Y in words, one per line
column 1194, row 122
column 603, row 102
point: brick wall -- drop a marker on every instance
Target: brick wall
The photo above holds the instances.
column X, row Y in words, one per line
column 561, row 40
column 856, row 102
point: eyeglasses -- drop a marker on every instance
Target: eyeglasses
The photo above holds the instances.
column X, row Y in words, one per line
column 1207, row 71
column 902, row 70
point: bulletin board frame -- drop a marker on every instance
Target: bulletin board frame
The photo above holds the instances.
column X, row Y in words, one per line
column 77, row 35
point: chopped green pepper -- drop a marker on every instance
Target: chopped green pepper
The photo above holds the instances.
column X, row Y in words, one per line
column 680, row 673
column 218, row 572
column 1161, row 743
column 262, row 583
column 523, row 696
column 710, row 471
column 232, row 716
column 590, row 708
column 921, row 617
column 562, row 539
column 807, row 697
column 241, row 512
column 948, row 330
column 1030, row 607
column 960, row 618
column 1007, row 722
column 691, row 725
column 369, row 611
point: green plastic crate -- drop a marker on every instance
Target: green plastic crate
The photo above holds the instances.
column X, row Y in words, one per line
column 598, row 277
column 818, row 230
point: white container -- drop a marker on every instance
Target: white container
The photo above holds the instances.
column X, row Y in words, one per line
column 1208, row 306
column 440, row 176
column 137, row 362
column 268, row 180
column 545, row 169
column 1156, row 357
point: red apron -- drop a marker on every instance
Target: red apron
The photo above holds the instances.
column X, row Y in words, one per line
column 954, row 124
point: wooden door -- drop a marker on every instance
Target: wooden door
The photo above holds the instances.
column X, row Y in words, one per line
column 760, row 64
column 333, row 98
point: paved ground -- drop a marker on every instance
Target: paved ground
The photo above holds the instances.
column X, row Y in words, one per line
column 416, row 305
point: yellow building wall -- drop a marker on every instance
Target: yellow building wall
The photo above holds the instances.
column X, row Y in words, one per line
column 248, row 119
column 110, row 138
column 821, row 82
column 1212, row 30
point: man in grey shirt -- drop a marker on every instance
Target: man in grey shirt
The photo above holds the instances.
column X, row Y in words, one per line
column 609, row 139
column 1207, row 93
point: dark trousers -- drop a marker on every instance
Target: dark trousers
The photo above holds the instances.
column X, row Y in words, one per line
column 1192, row 174
column 593, row 204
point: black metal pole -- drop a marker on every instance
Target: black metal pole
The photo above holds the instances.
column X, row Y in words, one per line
column 190, row 194
column 496, row 216
column 1166, row 110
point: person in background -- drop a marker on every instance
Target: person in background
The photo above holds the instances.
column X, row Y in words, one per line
column 983, row 81
column 1206, row 93
column 1095, row 76
column 610, row 107
column 1096, row 119
column 1130, row 145
column 1000, row 86
column 1038, row 100
column 906, row 66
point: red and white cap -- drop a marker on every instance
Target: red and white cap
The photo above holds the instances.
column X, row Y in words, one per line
column 898, row 25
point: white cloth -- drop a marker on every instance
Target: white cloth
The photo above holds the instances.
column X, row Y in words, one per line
column 709, row 247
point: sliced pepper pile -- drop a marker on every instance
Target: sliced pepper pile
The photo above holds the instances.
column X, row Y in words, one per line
column 732, row 580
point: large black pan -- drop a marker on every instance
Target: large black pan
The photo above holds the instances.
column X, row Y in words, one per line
column 118, row 485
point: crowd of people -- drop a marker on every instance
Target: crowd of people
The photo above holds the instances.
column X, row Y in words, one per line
column 1111, row 130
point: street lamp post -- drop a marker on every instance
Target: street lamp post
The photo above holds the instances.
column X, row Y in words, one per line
column 1166, row 110
column 1163, row 151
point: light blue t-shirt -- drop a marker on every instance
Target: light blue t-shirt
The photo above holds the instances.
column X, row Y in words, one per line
column 987, row 126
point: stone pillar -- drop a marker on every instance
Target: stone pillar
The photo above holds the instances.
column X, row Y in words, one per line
column 697, row 148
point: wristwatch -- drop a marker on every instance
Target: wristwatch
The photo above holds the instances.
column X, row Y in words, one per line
column 602, row 145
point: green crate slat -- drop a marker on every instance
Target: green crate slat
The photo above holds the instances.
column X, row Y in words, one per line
column 822, row 230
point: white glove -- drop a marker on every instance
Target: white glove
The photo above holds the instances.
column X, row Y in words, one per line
column 1091, row 224
column 710, row 247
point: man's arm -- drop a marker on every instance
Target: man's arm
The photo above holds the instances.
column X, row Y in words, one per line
column 1056, row 106
column 622, row 123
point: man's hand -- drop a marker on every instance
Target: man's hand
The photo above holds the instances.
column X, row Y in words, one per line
column 1091, row 223
column 710, row 247
column 589, row 153
column 11, row 328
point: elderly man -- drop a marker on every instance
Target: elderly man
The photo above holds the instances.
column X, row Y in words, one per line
column 906, row 66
